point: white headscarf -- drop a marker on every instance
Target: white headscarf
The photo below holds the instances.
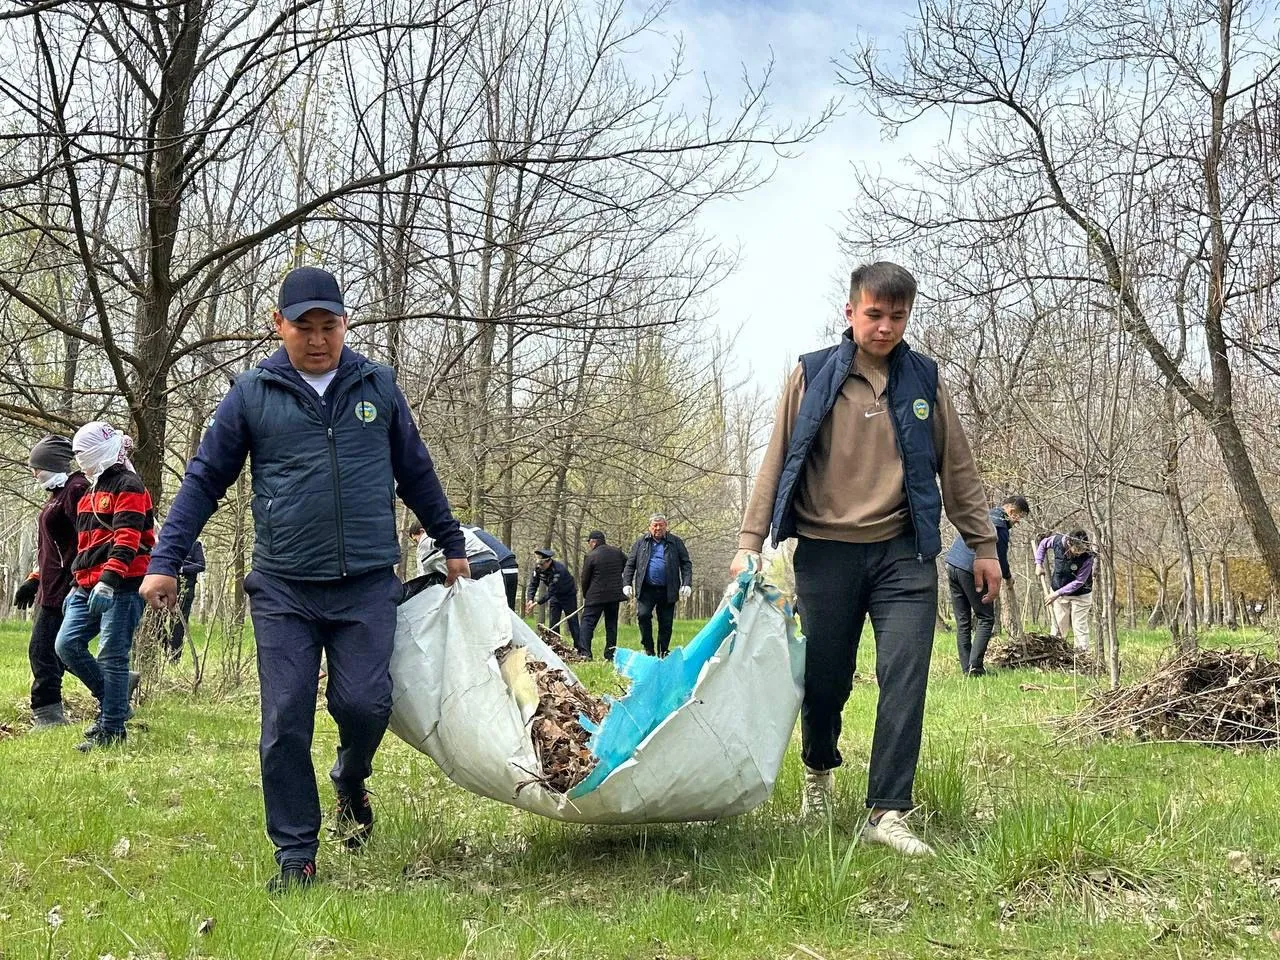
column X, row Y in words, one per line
column 99, row 446
column 48, row 480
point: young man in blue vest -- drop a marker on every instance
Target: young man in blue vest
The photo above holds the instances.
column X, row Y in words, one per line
column 863, row 435
column 331, row 442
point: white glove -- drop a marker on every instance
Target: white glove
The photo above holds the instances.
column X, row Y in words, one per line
column 627, row 591
column 685, row 592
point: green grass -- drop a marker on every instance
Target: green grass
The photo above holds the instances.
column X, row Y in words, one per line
column 1046, row 849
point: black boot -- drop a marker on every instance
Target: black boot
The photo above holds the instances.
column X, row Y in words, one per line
column 50, row 715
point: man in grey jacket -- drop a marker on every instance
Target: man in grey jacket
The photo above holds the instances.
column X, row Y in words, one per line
column 658, row 572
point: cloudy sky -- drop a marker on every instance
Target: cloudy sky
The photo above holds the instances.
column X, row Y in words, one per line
column 786, row 289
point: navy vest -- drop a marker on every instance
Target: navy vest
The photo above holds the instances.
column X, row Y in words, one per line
column 1066, row 568
column 912, row 393
column 323, row 486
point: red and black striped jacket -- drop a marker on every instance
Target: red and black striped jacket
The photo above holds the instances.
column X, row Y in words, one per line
column 115, row 526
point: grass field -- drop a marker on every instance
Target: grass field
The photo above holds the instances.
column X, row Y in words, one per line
column 1046, row 850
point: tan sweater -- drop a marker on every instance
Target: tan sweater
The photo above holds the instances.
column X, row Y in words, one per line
column 851, row 488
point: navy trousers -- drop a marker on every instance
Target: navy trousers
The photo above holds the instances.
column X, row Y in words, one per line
column 353, row 621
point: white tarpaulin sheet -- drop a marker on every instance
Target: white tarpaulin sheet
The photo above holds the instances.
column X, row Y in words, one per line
column 700, row 736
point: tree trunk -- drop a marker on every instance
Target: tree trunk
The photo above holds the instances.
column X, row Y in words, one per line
column 1224, row 590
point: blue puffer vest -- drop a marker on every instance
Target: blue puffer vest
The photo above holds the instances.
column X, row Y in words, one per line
column 912, row 392
column 323, row 485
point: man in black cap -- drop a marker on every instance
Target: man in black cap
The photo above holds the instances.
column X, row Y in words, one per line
column 53, row 466
column 601, row 591
column 553, row 584
column 332, row 441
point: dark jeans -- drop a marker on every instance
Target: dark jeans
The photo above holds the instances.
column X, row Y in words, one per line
column 839, row 585
column 353, row 621
column 558, row 613
column 107, row 674
column 591, row 615
column 968, row 605
column 186, row 599
column 654, row 597
column 46, row 668
column 511, row 581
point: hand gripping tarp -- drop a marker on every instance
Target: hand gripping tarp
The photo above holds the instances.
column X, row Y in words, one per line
column 700, row 735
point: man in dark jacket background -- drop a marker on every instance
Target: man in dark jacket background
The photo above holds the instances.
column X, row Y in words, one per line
column 966, row 600
column 601, row 591
column 332, row 442
column 553, row 584
column 657, row 573
column 52, row 464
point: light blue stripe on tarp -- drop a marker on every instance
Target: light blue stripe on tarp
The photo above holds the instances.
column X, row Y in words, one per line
column 658, row 689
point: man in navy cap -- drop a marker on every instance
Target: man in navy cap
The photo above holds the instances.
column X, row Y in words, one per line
column 331, row 442
column 553, row 584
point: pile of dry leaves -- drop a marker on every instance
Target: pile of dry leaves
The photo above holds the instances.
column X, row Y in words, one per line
column 552, row 702
column 1216, row 697
column 552, row 640
column 1038, row 650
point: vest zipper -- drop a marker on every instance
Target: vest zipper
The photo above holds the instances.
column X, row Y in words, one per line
column 906, row 481
column 337, row 500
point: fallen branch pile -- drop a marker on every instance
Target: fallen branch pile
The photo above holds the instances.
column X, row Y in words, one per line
column 559, row 739
column 1039, row 650
column 552, row 640
column 1213, row 697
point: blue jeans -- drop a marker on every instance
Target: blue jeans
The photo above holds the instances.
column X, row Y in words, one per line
column 107, row 675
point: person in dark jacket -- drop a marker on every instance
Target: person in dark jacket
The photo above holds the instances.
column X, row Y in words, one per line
column 192, row 567
column 53, row 466
column 971, row 643
column 601, row 591
column 507, row 563
column 332, row 443
column 657, row 573
column 553, row 584
column 115, row 531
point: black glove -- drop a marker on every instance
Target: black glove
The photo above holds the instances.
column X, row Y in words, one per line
column 26, row 595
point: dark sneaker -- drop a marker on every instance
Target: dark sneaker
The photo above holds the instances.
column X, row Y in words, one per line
column 292, row 876
column 92, row 729
column 355, row 818
column 100, row 739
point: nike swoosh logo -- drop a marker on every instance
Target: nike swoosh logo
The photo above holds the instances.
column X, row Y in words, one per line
column 872, row 413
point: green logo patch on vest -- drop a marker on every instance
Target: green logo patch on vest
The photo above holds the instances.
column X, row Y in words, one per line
column 366, row 411
column 921, row 409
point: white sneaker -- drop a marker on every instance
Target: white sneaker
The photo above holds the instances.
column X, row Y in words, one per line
column 892, row 831
column 819, row 789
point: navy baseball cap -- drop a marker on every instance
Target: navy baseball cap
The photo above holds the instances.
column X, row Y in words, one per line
column 309, row 288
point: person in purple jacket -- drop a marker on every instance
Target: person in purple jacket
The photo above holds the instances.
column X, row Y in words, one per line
column 1071, row 579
